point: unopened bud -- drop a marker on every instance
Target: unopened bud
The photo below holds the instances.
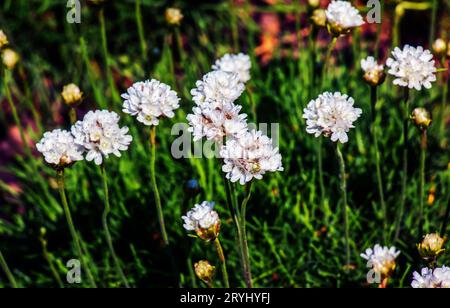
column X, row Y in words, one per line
column 204, row 271
column 431, row 247
column 173, row 16
column 72, row 95
column 3, row 39
column 421, row 118
column 374, row 77
column 319, row 18
column 10, row 58
column 314, row 3
column 439, row 46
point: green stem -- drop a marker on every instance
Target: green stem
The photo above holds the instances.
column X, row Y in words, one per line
column 222, row 262
column 447, row 210
column 252, row 103
column 405, row 163
column 327, row 58
column 343, row 187
column 140, row 27
column 320, row 170
column 114, row 94
column 73, row 115
column 7, row 271
column 155, row 186
column 433, row 22
column 73, row 232
column 244, row 241
column 109, row 241
column 373, row 98
column 423, row 149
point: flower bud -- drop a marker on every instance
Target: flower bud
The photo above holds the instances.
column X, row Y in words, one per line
column 10, row 58
column 431, row 246
column 72, row 95
column 439, row 46
column 3, row 39
column 173, row 16
column 313, row 3
column 421, row 118
column 319, row 18
column 374, row 77
column 204, row 271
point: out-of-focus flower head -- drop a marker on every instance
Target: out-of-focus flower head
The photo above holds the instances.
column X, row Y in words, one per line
column 3, row 39
column 100, row 135
column 203, row 220
column 421, row 118
column 250, row 156
column 319, row 18
column 382, row 259
column 59, row 149
column 412, row 67
column 173, row 16
column 431, row 247
column 373, row 72
column 239, row 64
column 432, row 278
column 342, row 17
column 149, row 101
column 10, row 58
column 72, row 95
column 439, row 47
column 331, row 115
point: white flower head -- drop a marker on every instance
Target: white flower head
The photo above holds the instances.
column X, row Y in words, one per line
column 59, row 149
column 432, row 278
column 342, row 17
column 369, row 64
column 412, row 67
column 215, row 121
column 382, row 259
column 203, row 220
column 373, row 72
column 250, row 156
column 331, row 114
column 99, row 133
column 239, row 64
column 150, row 100
column 218, row 86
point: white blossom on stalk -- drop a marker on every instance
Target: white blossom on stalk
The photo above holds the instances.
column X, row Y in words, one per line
column 218, row 86
column 149, row 100
column 432, row 278
column 239, row 64
column 373, row 72
column 99, row 133
column 412, row 67
column 331, row 114
column 215, row 121
column 59, row 149
column 203, row 220
column 250, row 156
column 342, row 17
column 382, row 259
column 369, row 65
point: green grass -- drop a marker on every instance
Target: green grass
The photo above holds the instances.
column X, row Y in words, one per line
column 286, row 211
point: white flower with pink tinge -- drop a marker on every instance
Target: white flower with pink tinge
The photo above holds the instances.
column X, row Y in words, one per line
column 432, row 278
column 239, row 64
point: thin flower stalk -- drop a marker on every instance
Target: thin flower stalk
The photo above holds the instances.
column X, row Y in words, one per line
column 141, row 34
column 423, row 150
column 344, row 204
column 243, row 240
column 223, row 262
column 373, row 99
column 405, row 162
column 7, row 271
column 155, row 186
column 105, row 218
column 73, row 231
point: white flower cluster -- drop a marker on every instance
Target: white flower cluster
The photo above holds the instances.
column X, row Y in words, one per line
column 247, row 154
column 59, row 148
column 99, row 133
column 331, row 114
column 370, row 65
column 218, row 86
column 202, row 216
column 432, row 278
column 412, row 67
column 250, row 156
column 382, row 259
column 149, row 100
column 239, row 64
column 343, row 15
